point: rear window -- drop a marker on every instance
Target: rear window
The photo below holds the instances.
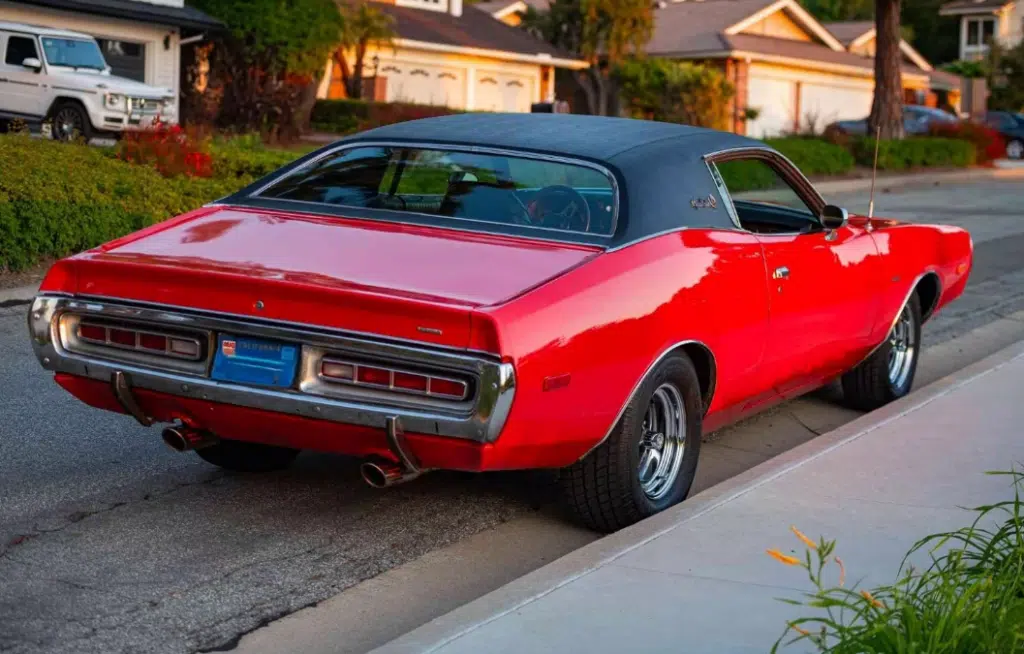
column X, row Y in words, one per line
column 500, row 189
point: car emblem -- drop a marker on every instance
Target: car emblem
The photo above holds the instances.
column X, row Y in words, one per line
column 228, row 348
column 704, row 203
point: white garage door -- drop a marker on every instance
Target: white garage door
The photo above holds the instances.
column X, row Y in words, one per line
column 413, row 82
column 774, row 99
column 496, row 92
column 827, row 104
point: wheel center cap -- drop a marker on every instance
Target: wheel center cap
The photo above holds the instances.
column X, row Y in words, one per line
column 655, row 440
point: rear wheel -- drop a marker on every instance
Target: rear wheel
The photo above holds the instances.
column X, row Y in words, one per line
column 648, row 462
column 242, row 456
column 888, row 374
column 1015, row 149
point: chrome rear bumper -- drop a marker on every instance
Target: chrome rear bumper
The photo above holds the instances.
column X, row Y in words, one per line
column 480, row 419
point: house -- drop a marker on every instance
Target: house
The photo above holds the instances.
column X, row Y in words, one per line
column 140, row 39
column 447, row 53
column 510, row 11
column 944, row 89
column 784, row 63
column 981, row 21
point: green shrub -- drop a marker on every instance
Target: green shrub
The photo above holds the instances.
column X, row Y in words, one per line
column 246, row 156
column 814, row 157
column 968, row 597
column 57, row 199
column 915, row 152
column 347, row 116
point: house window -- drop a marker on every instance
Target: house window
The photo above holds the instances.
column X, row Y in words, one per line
column 980, row 32
column 126, row 59
column 436, row 5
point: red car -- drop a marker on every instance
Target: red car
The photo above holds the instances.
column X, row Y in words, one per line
column 495, row 292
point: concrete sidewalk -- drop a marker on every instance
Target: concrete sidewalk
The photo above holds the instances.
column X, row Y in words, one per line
column 696, row 578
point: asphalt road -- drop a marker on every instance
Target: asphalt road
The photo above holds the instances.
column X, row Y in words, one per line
column 111, row 543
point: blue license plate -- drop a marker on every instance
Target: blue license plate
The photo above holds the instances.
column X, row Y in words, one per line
column 255, row 361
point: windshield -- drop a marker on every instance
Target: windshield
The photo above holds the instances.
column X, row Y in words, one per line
column 500, row 189
column 74, row 53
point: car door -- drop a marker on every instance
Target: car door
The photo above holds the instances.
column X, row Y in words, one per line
column 822, row 283
column 20, row 88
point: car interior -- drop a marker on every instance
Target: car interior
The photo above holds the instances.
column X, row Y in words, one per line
column 763, row 201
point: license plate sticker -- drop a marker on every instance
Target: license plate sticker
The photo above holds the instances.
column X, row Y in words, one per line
column 255, row 361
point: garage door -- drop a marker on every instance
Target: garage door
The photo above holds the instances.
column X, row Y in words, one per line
column 827, row 104
column 774, row 99
column 421, row 84
column 496, row 92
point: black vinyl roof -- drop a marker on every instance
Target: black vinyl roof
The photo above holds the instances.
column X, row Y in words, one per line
column 590, row 137
column 183, row 17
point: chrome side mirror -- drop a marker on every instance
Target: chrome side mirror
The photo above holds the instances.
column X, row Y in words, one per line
column 833, row 217
column 33, row 63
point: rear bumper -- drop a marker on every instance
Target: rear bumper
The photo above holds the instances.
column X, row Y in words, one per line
column 480, row 421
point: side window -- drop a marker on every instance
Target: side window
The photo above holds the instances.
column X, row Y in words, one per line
column 763, row 201
column 20, row 48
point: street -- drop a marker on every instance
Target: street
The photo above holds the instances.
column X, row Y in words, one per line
column 110, row 542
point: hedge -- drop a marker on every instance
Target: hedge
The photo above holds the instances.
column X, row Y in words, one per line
column 58, row 199
column 915, row 152
column 246, row 157
column 346, row 116
column 813, row 157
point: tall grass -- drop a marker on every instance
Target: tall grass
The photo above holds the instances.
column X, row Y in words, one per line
column 968, row 599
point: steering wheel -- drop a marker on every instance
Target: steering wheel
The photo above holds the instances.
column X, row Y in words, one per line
column 559, row 207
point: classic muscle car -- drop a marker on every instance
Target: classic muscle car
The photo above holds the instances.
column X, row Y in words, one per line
column 495, row 292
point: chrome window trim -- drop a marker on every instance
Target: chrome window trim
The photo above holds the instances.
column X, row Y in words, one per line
column 472, row 149
column 479, row 419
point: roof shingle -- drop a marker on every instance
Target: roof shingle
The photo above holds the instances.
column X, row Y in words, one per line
column 982, row 6
column 849, row 31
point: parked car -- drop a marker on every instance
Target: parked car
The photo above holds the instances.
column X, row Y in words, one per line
column 917, row 120
column 1011, row 126
column 61, row 77
column 495, row 292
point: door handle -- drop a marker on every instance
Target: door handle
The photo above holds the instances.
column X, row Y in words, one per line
column 782, row 272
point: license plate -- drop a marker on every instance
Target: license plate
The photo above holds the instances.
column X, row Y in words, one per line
column 254, row 361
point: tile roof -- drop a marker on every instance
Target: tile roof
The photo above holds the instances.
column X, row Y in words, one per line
column 186, row 17
column 767, row 45
column 849, row 31
column 473, row 29
column 962, row 6
column 681, row 27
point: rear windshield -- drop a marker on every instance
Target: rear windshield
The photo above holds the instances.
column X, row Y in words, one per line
column 499, row 189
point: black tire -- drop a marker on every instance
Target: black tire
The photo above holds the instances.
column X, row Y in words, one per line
column 1015, row 149
column 870, row 385
column 242, row 456
column 603, row 490
column 70, row 122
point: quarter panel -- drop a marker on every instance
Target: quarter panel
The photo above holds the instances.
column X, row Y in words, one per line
column 605, row 323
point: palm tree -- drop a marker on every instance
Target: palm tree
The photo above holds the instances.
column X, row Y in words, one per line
column 363, row 25
column 886, row 118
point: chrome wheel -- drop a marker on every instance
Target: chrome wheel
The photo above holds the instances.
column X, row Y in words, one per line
column 1015, row 149
column 68, row 124
column 902, row 349
column 663, row 442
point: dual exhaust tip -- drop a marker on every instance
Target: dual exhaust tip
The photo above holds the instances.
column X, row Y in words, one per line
column 182, row 438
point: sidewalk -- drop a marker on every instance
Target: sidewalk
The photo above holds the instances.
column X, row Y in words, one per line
column 696, row 578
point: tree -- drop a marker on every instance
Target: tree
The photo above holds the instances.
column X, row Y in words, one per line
column 840, row 10
column 886, row 116
column 267, row 59
column 363, row 25
column 1006, row 77
column 602, row 32
column 687, row 93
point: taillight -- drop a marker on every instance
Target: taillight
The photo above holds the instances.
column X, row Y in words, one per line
column 405, row 381
column 149, row 342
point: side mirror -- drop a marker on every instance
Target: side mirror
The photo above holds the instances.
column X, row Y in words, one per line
column 833, row 217
column 33, row 63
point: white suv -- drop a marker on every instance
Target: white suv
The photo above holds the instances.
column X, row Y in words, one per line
column 60, row 78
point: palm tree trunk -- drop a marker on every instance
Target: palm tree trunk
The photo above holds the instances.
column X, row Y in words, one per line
column 887, row 109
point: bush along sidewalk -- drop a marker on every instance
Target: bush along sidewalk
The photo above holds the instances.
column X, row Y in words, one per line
column 969, row 599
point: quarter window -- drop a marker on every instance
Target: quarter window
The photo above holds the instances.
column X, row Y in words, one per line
column 764, row 202
column 20, row 48
column 500, row 189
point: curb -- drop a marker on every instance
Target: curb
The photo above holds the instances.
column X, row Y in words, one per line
column 543, row 581
column 13, row 297
column 920, row 179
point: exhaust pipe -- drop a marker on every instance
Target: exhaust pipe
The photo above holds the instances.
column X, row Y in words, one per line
column 182, row 438
column 383, row 475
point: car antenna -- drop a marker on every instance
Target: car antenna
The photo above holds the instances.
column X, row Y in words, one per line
column 874, row 173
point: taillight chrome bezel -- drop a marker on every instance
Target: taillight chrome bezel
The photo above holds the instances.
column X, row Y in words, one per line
column 69, row 332
column 168, row 336
column 391, row 371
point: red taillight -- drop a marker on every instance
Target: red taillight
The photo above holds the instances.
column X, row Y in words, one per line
column 122, row 337
column 447, row 388
column 410, row 382
column 154, row 342
column 96, row 333
column 373, row 376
